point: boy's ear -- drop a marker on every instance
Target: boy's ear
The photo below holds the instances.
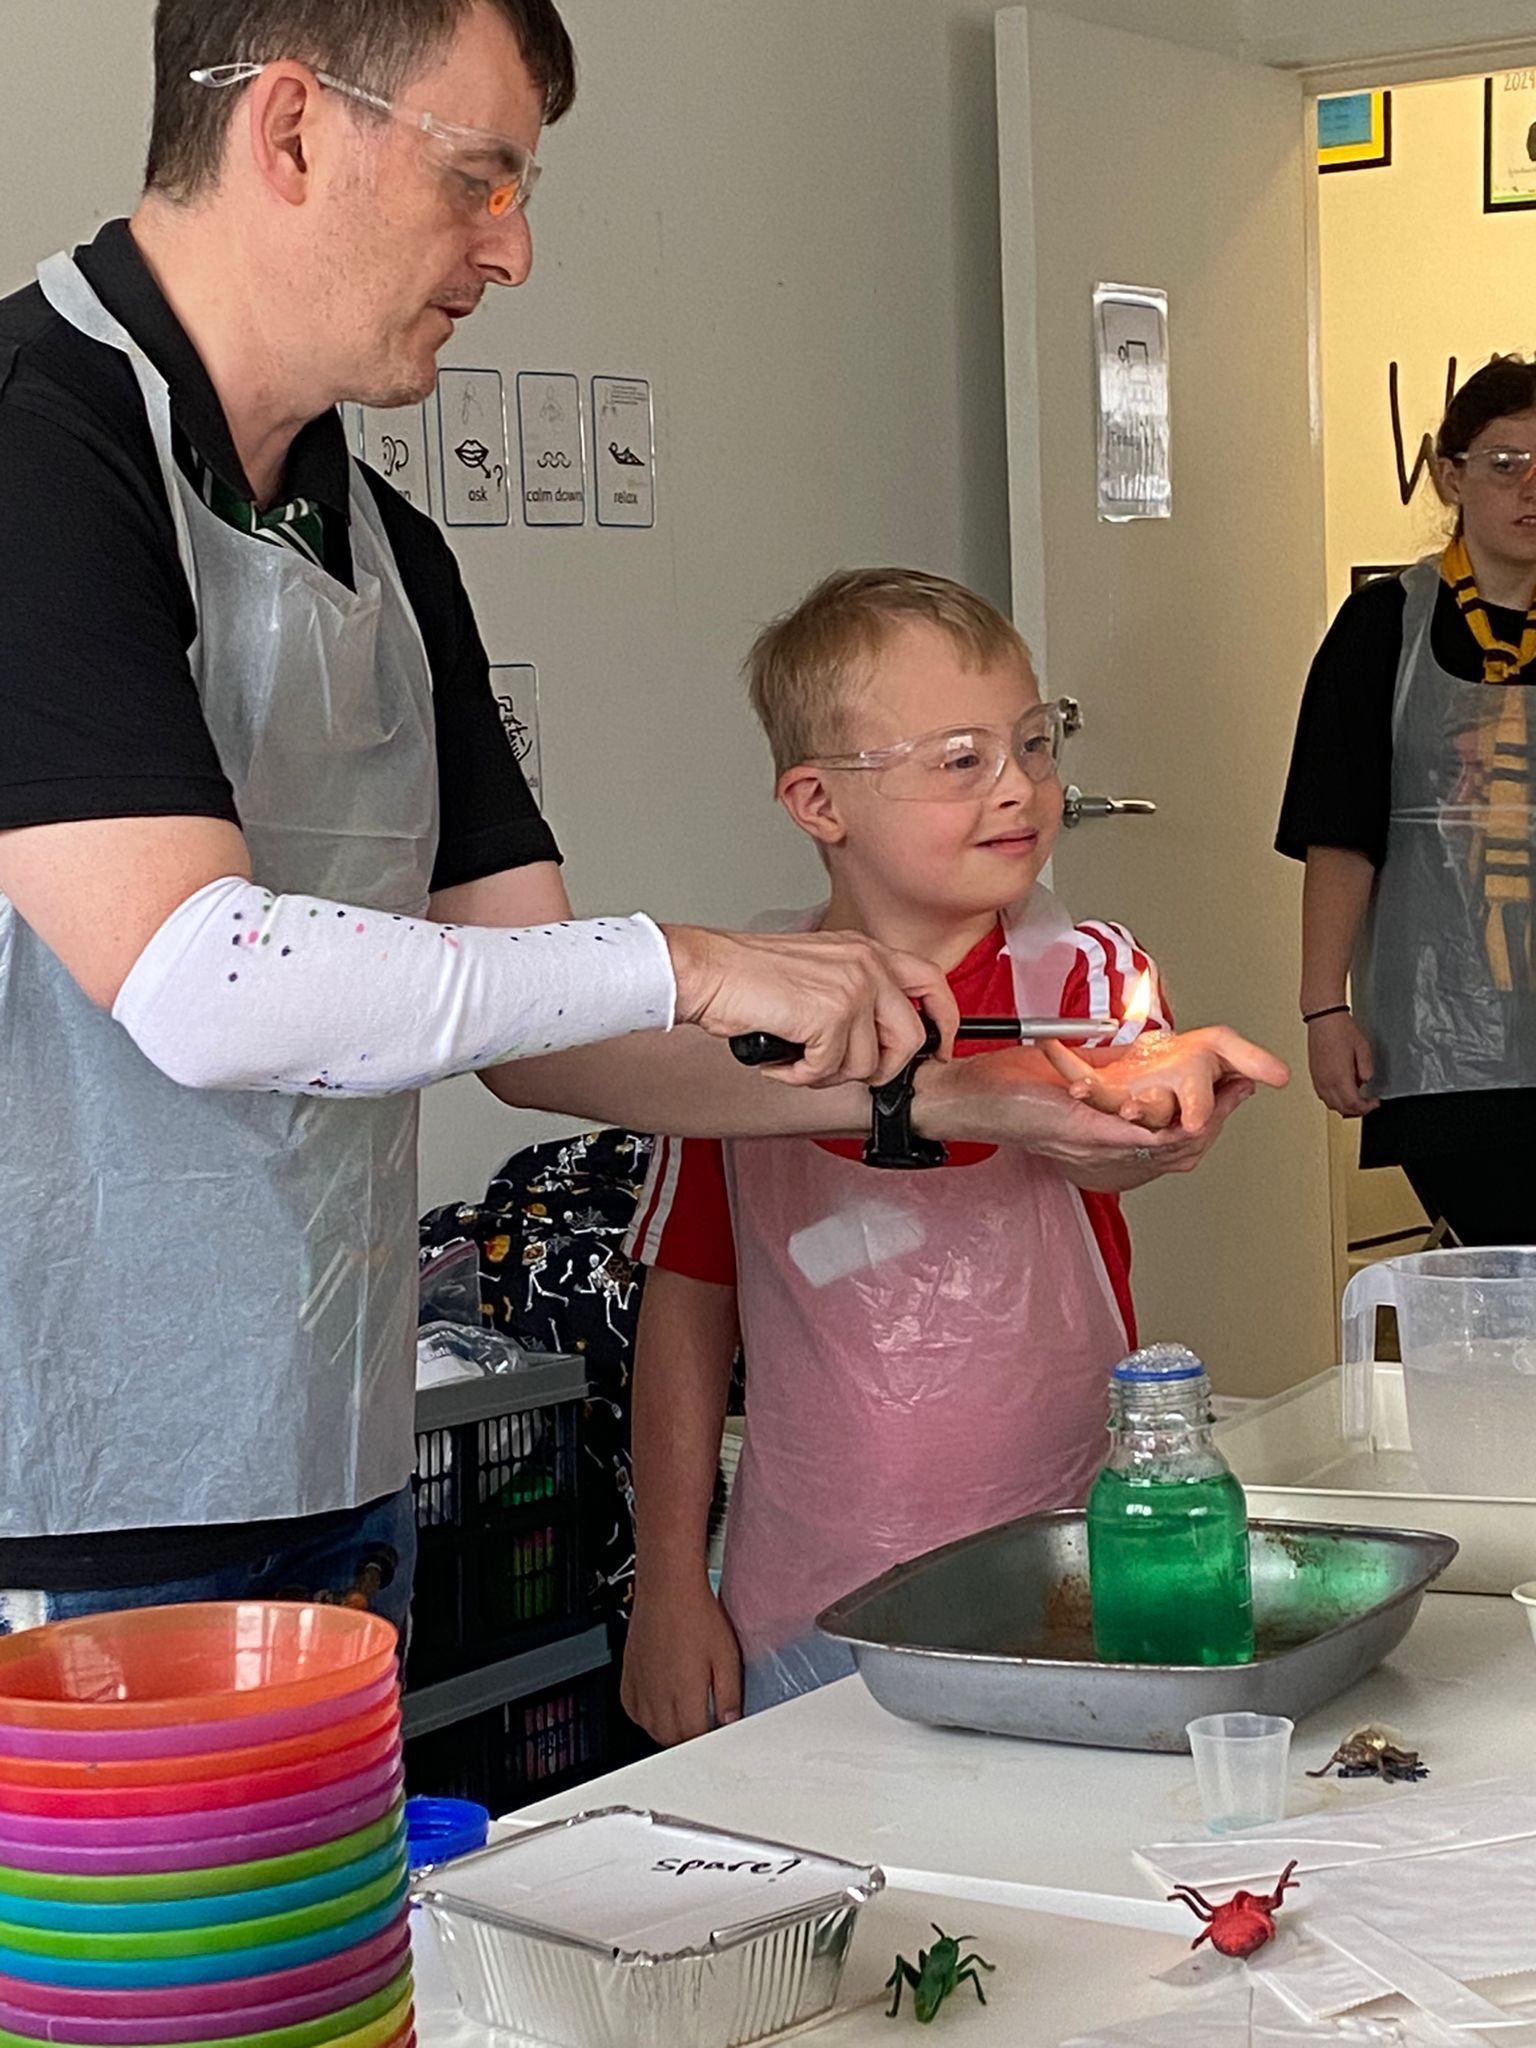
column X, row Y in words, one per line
column 807, row 795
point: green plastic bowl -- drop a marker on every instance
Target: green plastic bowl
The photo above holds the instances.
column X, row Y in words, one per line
column 172, row 1885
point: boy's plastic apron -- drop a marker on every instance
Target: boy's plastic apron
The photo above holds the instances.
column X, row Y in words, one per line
column 1445, row 975
column 938, row 1391
column 211, row 1297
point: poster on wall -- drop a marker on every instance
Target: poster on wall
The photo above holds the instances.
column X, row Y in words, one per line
column 554, row 448
column 625, row 446
column 395, row 444
column 515, row 686
column 1509, row 142
column 1130, row 325
column 1354, row 131
column 472, row 418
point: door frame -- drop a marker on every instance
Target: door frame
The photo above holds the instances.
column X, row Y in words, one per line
column 1459, row 60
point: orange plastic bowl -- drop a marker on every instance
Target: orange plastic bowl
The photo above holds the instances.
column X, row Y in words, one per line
column 202, row 1795
column 155, row 1667
column 218, row 1763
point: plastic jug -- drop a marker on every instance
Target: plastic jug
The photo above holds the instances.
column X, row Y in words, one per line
column 1467, row 1323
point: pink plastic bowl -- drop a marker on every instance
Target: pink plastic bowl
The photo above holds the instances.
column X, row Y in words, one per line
column 209, row 1852
column 194, row 2025
column 195, row 1738
column 51, row 1774
column 388, row 1951
column 20, row 1832
column 200, row 1796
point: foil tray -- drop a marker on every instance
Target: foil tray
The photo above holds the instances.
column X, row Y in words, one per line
column 994, row 1633
column 626, row 1929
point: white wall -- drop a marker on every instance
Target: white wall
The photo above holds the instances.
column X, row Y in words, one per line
column 786, row 217
column 1304, row 33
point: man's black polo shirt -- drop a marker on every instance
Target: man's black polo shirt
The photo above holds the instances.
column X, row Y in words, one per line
column 99, row 714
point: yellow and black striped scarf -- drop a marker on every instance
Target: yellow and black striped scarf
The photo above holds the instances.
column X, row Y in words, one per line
column 1501, row 858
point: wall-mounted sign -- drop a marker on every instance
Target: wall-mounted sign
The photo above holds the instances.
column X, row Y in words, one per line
column 395, row 444
column 515, row 686
column 472, row 420
column 554, row 452
column 1509, row 142
column 624, row 453
column 1130, row 328
column 1354, row 131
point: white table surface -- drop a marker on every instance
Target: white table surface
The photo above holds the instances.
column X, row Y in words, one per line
column 834, row 1772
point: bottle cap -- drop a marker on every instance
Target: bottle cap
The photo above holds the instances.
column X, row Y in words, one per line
column 1158, row 1365
column 438, row 1830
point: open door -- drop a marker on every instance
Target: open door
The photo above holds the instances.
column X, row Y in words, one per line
column 1131, row 161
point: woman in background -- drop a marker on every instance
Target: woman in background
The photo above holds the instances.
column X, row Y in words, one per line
column 1409, row 799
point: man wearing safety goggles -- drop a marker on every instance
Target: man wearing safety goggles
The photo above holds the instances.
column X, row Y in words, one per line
column 266, row 863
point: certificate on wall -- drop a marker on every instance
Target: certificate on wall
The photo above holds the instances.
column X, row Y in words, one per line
column 1354, row 131
column 1130, row 325
column 1509, row 142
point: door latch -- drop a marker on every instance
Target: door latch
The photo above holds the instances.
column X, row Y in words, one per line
column 1076, row 807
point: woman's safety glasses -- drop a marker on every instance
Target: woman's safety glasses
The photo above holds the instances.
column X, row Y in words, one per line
column 1504, row 465
column 962, row 761
column 489, row 174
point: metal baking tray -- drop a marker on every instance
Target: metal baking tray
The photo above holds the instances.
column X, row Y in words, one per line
column 995, row 1632
column 1291, row 1454
column 626, row 1929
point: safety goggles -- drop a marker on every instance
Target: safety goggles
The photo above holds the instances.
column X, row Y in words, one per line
column 1504, row 465
column 489, row 174
column 960, row 761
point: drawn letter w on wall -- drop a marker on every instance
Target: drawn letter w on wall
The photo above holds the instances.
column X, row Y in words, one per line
column 1408, row 479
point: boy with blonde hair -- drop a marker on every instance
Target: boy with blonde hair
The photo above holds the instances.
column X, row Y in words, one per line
column 927, row 1353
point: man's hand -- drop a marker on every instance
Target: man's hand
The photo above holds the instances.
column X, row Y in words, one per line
column 1342, row 1064
column 847, row 1000
column 681, row 1652
column 1166, row 1076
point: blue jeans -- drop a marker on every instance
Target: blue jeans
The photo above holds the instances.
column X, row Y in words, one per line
column 328, row 1565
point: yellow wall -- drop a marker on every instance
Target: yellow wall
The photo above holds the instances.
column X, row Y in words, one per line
column 1414, row 272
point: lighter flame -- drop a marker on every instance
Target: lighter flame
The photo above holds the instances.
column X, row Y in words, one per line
column 1139, row 1008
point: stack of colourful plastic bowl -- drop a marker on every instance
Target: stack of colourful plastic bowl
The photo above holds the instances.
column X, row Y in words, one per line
column 202, row 1831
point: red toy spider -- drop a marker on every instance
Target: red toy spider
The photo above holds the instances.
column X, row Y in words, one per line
column 1241, row 1925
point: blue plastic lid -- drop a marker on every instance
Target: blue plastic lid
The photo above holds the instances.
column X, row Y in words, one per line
column 1160, row 1364
column 438, row 1830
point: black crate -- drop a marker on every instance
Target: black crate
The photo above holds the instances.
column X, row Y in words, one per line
column 517, row 1750
column 499, row 1554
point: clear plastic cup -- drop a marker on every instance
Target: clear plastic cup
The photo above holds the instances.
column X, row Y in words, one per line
column 1240, row 1767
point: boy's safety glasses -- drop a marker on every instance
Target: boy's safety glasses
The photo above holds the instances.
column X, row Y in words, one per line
column 962, row 761
column 489, row 174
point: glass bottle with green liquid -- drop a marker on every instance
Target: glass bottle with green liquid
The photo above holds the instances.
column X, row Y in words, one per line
column 1167, row 1523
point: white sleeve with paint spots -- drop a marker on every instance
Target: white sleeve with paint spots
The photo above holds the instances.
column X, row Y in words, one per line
column 288, row 994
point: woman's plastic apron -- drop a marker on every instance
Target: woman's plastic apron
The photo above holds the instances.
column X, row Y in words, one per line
column 936, row 1392
column 208, row 1299
column 1444, row 980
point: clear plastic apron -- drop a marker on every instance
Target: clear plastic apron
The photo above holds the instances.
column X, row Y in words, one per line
column 933, row 1392
column 1443, row 978
column 207, row 1300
